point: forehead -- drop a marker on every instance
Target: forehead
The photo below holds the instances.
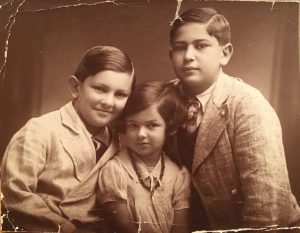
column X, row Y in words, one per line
column 111, row 79
column 149, row 114
column 192, row 31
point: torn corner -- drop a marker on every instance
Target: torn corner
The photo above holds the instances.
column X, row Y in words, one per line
column 179, row 2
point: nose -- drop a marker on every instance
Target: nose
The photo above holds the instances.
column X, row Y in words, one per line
column 107, row 100
column 142, row 132
column 189, row 53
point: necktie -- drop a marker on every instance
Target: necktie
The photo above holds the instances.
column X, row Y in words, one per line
column 100, row 149
column 193, row 115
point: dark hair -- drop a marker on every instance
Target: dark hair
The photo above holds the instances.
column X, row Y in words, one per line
column 101, row 58
column 218, row 26
column 169, row 105
column 159, row 93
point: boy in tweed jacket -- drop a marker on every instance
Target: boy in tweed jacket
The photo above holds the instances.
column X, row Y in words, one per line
column 235, row 156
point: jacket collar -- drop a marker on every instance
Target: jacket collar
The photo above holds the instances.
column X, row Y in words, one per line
column 77, row 141
column 222, row 89
column 70, row 118
column 214, row 121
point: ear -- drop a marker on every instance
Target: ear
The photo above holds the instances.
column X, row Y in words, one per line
column 227, row 51
column 74, row 84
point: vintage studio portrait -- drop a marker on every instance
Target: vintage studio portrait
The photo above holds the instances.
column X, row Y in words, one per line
column 149, row 116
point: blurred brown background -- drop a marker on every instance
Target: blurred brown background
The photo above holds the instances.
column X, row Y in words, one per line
column 48, row 39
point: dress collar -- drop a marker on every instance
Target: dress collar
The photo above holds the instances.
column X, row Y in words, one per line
column 143, row 171
column 170, row 167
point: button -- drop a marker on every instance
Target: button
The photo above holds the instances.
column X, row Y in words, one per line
column 234, row 192
column 223, row 113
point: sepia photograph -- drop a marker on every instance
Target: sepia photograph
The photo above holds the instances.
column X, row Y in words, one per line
column 149, row 116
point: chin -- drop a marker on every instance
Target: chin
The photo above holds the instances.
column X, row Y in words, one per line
column 101, row 124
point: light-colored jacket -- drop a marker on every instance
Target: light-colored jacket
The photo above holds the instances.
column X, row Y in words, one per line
column 239, row 167
column 49, row 172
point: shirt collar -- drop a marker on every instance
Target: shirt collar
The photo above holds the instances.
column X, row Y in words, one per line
column 103, row 136
column 144, row 171
column 205, row 95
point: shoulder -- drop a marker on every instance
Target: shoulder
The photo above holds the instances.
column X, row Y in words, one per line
column 242, row 90
column 45, row 121
column 39, row 126
column 244, row 96
column 237, row 87
column 118, row 164
column 173, row 171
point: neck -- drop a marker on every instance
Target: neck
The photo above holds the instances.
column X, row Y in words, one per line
column 95, row 131
column 198, row 88
column 150, row 160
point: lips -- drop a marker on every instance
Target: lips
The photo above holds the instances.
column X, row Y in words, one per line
column 103, row 112
column 142, row 143
column 185, row 69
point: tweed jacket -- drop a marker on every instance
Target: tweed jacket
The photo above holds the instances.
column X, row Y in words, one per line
column 49, row 172
column 239, row 168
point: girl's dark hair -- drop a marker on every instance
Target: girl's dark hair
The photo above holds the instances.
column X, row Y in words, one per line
column 161, row 94
column 218, row 26
column 101, row 58
column 169, row 105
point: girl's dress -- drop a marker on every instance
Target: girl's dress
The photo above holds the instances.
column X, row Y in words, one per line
column 119, row 181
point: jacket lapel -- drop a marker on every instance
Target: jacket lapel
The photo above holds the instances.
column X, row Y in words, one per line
column 76, row 142
column 214, row 121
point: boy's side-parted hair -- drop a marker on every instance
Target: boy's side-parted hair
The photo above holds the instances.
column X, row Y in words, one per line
column 101, row 58
column 161, row 94
column 218, row 26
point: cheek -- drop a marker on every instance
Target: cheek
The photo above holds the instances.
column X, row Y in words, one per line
column 160, row 136
column 176, row 61
column 120, row 104
column 175, row 58
column 130, row 136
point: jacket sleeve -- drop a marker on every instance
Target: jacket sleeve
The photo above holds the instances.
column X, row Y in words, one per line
column 260, row 160
column 22, row 164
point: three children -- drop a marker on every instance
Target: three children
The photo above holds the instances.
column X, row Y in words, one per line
column 235, row 156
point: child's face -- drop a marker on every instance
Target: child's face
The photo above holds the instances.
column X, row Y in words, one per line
column 145, row 132
column 196, row 57
column 101, row 98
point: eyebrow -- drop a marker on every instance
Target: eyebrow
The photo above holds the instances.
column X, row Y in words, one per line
column 150, row 121
column 194, row 41
column 108, row 87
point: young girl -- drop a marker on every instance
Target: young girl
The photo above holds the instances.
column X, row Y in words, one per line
column 142, row 189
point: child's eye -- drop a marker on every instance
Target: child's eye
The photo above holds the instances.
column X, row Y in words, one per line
column 131, row 125
column 201, row 46
column 178, row 48
column 152, row 125
column 121, row 95
column 99, row 89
